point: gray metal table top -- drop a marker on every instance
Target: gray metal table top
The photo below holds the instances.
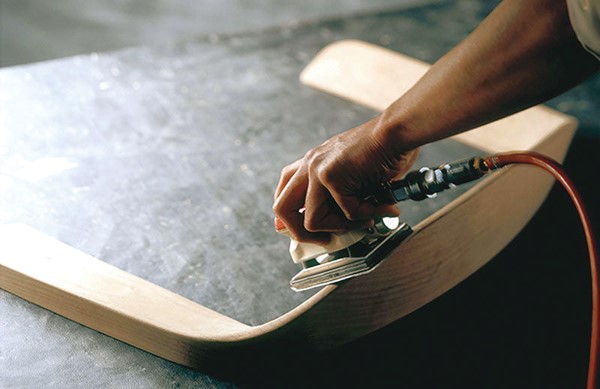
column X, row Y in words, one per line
column 162, row 161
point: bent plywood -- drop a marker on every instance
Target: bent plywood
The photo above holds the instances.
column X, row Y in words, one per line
column 443, row 250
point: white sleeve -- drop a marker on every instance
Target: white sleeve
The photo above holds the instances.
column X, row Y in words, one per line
column 585, row 18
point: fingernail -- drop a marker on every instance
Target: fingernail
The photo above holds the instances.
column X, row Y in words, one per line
column 279, row 226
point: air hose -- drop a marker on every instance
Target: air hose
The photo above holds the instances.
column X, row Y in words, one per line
column 427, row 182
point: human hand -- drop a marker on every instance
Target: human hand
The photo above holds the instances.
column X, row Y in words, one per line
column 332, row 180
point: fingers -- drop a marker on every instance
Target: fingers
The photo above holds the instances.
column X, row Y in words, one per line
column 323, row 214
column 315, row 207
column 351, row 206
column 406, row 161
column 328, row 184
column 323, row 210
column 286, row 174
column 387, row 210
column 290, row 199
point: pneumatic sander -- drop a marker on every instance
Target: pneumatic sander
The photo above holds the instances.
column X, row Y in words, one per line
column 353, row 253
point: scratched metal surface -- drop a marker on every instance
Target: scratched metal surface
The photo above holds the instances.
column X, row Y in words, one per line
column 162, row 161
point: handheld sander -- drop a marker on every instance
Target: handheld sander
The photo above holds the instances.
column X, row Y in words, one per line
column 354, row 253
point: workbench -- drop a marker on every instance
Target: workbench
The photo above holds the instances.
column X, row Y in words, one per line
column 162, row 161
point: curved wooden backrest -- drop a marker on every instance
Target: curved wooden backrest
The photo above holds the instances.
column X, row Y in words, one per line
column 443, row 250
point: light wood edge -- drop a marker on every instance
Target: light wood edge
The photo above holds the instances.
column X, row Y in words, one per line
column 140, row 313
column 443, row 251
column 496, row 208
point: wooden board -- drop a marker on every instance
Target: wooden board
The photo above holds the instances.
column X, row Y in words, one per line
column 444, row 249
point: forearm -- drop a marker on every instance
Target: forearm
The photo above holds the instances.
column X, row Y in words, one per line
column 524, row 53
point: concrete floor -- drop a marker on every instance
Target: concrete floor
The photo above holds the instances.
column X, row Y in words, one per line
column 529, row 304
column 37, row 30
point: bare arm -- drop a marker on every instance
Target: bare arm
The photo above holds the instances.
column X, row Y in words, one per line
column 523, row 53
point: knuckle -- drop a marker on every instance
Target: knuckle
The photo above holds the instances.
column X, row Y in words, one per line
column 290, row 169
column 309, row 157
column 287, row 170
column 315, row 158
column 278, row 209
column 327, row 174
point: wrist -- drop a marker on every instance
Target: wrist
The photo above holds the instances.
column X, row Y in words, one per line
column 394, row 130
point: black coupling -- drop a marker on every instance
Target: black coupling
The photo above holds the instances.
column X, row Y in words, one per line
column 427, row 182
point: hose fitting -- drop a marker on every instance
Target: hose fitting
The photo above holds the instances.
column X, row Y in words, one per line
column 428, row 182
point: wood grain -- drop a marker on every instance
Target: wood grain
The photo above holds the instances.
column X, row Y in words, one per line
column 443, row 250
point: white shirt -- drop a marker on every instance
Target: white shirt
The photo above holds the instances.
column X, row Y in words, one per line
column 585, row 18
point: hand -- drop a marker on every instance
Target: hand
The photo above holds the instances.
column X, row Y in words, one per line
column 506, row 73
column 332, row 180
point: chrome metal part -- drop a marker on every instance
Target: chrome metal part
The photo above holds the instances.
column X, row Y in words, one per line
column 358, row 259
